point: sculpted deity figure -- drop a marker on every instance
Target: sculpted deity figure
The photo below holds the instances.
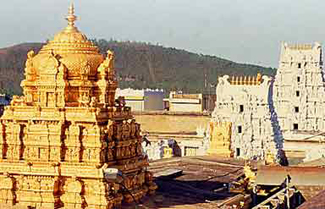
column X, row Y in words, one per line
column 139, row 148
column 126, row 130
column 84, row 100
column 118, row 152
column 110, row 59
column 133, row 149
column 93, row 102
column 72, row 190
column 133, row 128
column 137, row 130
column 127, row 151
column 29, row 68
column 119, row 131
column 107, row 66
column 75, row 154
column 85, row 72
column 6, row 193
column 62, row 74
column 110, row 154
column 110, row 130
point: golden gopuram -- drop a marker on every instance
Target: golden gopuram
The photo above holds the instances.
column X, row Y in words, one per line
column 58, row 139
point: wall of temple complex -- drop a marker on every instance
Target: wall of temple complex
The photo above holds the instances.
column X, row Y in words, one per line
column 268, row 113
column 186, row 130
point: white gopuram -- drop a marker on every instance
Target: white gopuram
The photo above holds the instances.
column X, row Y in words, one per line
column 269, row 116
column 299, row 89
column 245, row 103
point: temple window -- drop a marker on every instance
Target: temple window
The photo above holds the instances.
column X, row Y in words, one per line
column 241, row 108
column 239, row 129
column 295, row 126
column 296, row 109
column 237, row 151
column 298, row 79
column 297, row 93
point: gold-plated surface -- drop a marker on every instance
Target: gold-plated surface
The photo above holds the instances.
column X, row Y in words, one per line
column 240, row 80
column 59, row 137
column 220, row 139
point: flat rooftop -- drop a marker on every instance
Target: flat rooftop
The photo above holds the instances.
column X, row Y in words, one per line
column 200, row 185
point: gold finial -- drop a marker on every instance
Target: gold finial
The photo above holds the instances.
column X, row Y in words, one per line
column 71, row 18
column 258, row 78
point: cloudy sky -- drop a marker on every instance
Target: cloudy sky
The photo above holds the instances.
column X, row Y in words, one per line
column 248, row 31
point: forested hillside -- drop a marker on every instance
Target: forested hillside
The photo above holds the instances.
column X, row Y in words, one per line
column 140, row 65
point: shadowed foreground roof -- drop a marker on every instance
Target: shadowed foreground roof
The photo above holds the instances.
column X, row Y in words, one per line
column 201, row 184
column 317, row 202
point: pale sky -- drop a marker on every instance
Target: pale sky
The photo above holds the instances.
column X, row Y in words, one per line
column 247, row 31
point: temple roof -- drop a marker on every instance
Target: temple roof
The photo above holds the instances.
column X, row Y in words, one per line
column 70, row 39
column 72, row 48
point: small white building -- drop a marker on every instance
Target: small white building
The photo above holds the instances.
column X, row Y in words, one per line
column 142, row 100
column 179, row 102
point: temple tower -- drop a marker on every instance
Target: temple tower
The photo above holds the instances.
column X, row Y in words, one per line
column 59, row 137
column 244, row 103
column 299, row 88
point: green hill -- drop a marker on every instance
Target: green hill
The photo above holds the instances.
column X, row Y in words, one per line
column 140, row 65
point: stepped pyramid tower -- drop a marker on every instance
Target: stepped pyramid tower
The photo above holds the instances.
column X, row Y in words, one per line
column 299, row 89
column 59, row 137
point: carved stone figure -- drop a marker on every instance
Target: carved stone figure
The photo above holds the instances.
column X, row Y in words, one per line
column 93, row 102
column 125, row 130
column 133, row 129
column 110, row 130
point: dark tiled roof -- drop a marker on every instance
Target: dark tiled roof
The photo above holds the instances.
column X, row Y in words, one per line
column 317, row 202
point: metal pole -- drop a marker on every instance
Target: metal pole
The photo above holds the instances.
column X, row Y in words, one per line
column 287, row 192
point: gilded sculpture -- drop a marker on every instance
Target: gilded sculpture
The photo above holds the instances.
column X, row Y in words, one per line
column 56, row 139
column 220, row 139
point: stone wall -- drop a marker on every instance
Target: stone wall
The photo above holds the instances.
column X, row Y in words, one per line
column 164, row 122
column 186, row 131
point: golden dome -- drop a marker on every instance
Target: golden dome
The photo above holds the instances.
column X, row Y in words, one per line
column 73, row 48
